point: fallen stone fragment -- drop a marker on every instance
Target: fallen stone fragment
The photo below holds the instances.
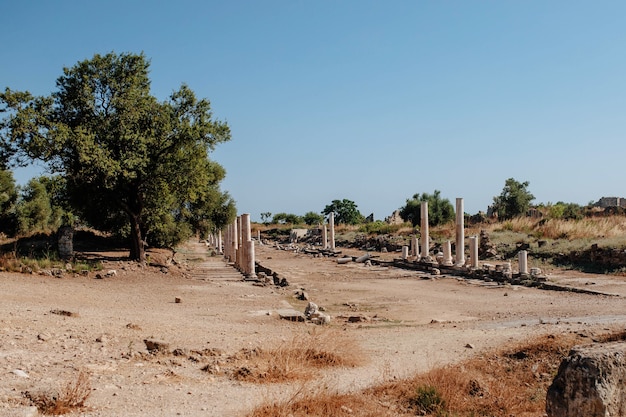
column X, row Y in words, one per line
column 20, row 373
column 291, row 315
column 156, row 346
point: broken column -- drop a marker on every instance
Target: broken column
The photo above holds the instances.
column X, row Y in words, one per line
column 523, row 262
column 324, row 237
column 460, row 233
column 425, row 257
column 405, row 253
column 447, row 254
column 331, row 222
column 473, row 243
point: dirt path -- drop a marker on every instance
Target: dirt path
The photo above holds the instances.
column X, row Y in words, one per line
column 409, row 324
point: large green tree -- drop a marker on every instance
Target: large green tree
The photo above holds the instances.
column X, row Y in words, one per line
column 126, row 157
column 440, row 210
column 514, row 200
column 8, row 197
column 345, row 210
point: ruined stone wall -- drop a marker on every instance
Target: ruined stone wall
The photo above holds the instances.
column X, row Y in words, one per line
column 605, row 202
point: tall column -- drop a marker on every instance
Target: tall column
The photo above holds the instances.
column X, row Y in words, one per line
column 460, row 233
column 331, row 222
column 473, row 241
column 219, row 242
column 247, row 259
column 424, row 233
column 447, row 254
column 523, row 262
column 239, row 253
column 234, row 242
column 227, row 245
column 324, row 237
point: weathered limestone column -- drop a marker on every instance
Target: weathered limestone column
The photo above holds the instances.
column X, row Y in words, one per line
column 331, row 222
column 460, row 233
column 248, row 266
column 414, row 248
column 324, row 237
column 227, row 243
column 405, row 253
column 424, row 233
column 219, row 242
column 523, row 262
column 473, row 241
column 234, row 242
column 447, row 254
column 239, row 253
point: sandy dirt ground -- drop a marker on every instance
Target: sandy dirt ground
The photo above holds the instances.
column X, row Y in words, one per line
column 53, row 328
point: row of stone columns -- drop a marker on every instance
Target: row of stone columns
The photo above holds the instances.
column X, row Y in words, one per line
column 215, row 240
column 239, row 246
column 460, row 243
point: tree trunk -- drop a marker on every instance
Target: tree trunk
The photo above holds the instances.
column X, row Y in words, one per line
column 137, row 250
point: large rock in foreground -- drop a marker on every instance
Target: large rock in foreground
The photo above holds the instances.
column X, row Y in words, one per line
column 591, row 382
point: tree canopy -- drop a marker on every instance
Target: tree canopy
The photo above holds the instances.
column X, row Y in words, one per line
column 514, row 200
column 440, row 210
column 345, row 210
column 131, row 164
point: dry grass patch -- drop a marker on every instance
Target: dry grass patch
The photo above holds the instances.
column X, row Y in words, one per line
column 298, row 358
column 510, row 381
column 71, row 397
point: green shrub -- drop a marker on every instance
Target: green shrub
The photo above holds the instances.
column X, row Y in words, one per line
column 428, row 400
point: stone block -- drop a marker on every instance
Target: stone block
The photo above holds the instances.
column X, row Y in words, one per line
column 590, row 383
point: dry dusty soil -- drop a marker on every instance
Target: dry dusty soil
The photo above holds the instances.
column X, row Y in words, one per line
column 53, row 328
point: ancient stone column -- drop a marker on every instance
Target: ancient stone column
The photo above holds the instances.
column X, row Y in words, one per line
column 460, row 233
column 247, row 258
column 405, row 253
column 331, row 222
column 227, row 243
column 473, row 241
column 447, row 254
column 415, row 248
column 239, row 254
column 234, row 243
column 246, row 236
column 219, row 242
column 324, row 237
column 424, row 233
column 523, row 262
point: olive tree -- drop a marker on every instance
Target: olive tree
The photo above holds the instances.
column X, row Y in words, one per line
column 514, row 200
column 440, row 210
column 345, row 210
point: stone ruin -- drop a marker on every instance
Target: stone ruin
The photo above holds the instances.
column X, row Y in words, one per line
column 590, row 383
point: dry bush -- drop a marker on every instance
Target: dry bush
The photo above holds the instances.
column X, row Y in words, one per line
column 321, row 402
column 71, row 397
column 9, row 262
column 299, row 357
column 511, row 381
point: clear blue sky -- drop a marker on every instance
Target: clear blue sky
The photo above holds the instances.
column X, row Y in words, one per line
column 372, row 101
